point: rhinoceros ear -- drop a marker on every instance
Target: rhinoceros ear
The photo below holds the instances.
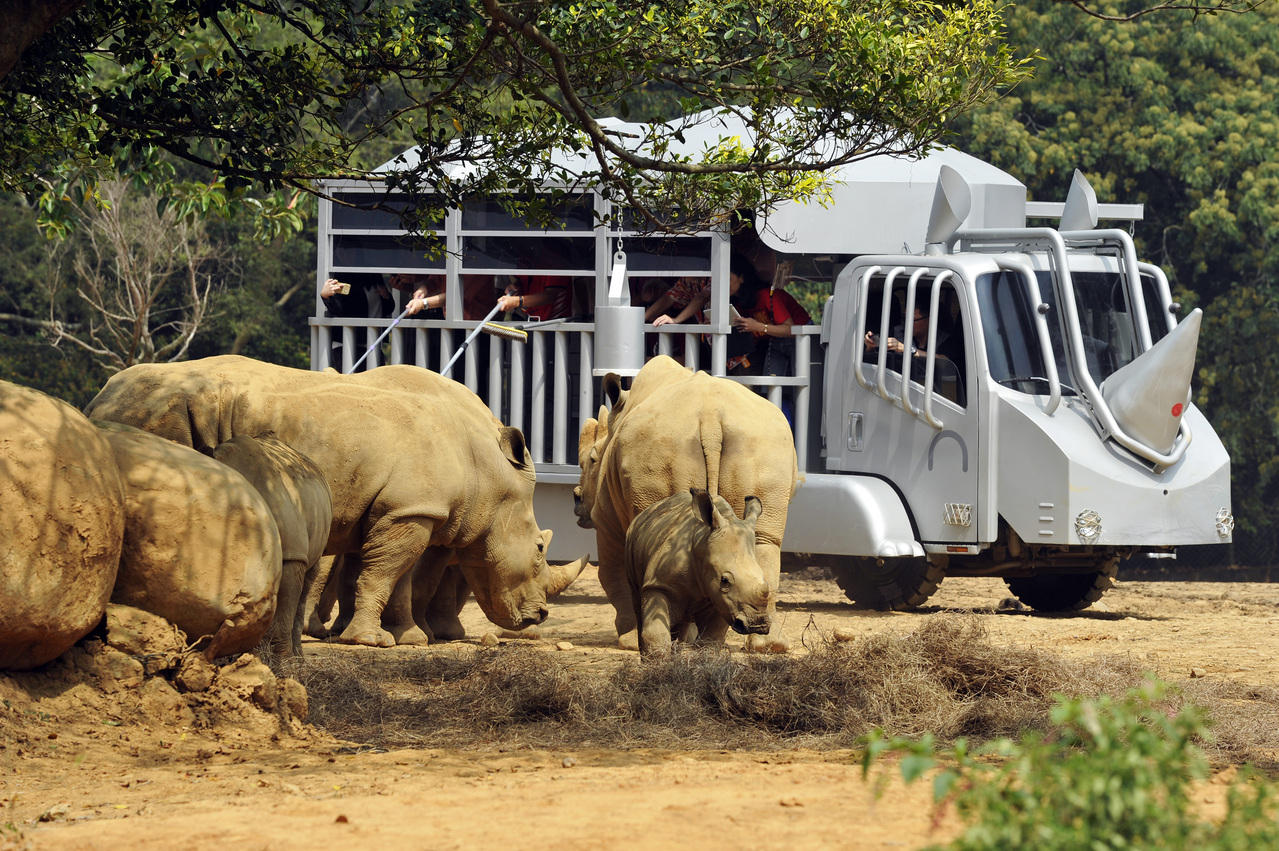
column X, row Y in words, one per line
column 513, row 447
column 753, row 509
column 702, row 506
column 612, row 387
column 587, row 437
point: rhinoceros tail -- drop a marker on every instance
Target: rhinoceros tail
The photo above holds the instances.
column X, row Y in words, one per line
column 711, row 432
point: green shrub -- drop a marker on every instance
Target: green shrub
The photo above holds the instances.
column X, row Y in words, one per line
column 1114, row 774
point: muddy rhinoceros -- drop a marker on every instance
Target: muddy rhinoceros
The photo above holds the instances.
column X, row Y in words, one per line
column 675, row 430
column 298, row 496
column 692, row 571
column 201, row 547
column 407, row 471
column 61, row 524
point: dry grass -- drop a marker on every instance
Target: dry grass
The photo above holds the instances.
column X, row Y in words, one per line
column 946, row 678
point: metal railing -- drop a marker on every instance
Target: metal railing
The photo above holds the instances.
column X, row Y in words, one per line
column 544, row 386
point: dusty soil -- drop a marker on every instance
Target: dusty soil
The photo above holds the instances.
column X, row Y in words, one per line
column 237, row 768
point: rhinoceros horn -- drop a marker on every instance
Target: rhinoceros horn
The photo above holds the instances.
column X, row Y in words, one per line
column 562, row 575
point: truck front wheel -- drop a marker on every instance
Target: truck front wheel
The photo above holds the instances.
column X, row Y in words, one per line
column 888, row 583
column 1064, row 592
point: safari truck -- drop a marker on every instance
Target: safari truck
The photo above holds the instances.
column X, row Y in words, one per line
column 1038, row 425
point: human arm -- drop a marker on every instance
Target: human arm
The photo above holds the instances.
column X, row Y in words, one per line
column 658, row 308
column 511, row 301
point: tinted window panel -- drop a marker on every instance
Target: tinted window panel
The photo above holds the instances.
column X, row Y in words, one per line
column 404, row 252
column 575, row 254
column 576, row 212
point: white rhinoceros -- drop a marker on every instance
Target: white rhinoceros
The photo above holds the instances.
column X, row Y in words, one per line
column 61, row 524
column 201, row 547
column 298, row 496
column 675, row 430
column 407, row 471
column 692, row 571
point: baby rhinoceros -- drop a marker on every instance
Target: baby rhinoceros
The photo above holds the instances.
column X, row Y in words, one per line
column 691, row 565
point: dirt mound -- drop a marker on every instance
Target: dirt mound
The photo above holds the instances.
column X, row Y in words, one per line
column 135, row 680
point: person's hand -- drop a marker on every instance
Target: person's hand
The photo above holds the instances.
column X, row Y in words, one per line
column 747, row 323
column 896, row 345
column 510, row 301
column 331, row 287
column 872, row 340
column 662, row 320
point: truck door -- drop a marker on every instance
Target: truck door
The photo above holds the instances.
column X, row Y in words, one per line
column 912, row 320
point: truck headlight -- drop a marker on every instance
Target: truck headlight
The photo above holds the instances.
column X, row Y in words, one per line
column 1088, row 526
column 1225, row 522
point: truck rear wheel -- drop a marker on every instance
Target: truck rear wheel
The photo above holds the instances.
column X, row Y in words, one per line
column 1063, row 592
column 889, row 583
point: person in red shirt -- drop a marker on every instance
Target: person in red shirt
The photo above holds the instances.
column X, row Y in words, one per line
column 540, row 296
column 769, row 315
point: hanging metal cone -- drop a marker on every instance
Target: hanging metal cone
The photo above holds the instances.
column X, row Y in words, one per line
column 1149, row 396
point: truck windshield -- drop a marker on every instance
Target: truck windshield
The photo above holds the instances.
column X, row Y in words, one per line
column 1012, row 347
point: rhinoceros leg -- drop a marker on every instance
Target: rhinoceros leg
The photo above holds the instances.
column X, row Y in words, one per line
column 397, row 616
column 321, row 596
column 390, row 549
column 288, row 603
column 612, row 574
column 655, row 634
column 769, row 556
column 348, row 568
column 443, row 607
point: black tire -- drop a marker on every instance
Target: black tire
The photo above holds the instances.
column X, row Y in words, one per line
column 890, row 583
column 1063, row 592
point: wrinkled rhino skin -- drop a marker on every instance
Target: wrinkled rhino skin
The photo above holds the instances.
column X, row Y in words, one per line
column 61, row 524
column 201, row 547
column 298, row 496
column 692, row 571
column 407, row 471
column 674, row 430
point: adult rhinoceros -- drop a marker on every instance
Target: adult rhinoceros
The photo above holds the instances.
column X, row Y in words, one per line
column 674, row 430
column 406, row 471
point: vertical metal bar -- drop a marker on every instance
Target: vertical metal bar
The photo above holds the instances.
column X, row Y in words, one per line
column 664, row 344
column 453, row 266
column 348, row 348
column 585, row 378
column 560, row 430
column 930, row 353
column 518, row 366
column 538, row 438
column 721, row 253
column 469, row 370
column 884, row 330
column 692, row 352
column 320, row 353
column 859, row 348
column 803, row 370
column 446, row 346
column 496, row 345
column 421, row 357
column 397, row 346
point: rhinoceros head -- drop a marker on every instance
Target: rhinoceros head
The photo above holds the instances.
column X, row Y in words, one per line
column 506, row 564
column 734, row 581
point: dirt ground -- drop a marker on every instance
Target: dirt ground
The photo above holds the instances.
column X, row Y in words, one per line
column 76, row 775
